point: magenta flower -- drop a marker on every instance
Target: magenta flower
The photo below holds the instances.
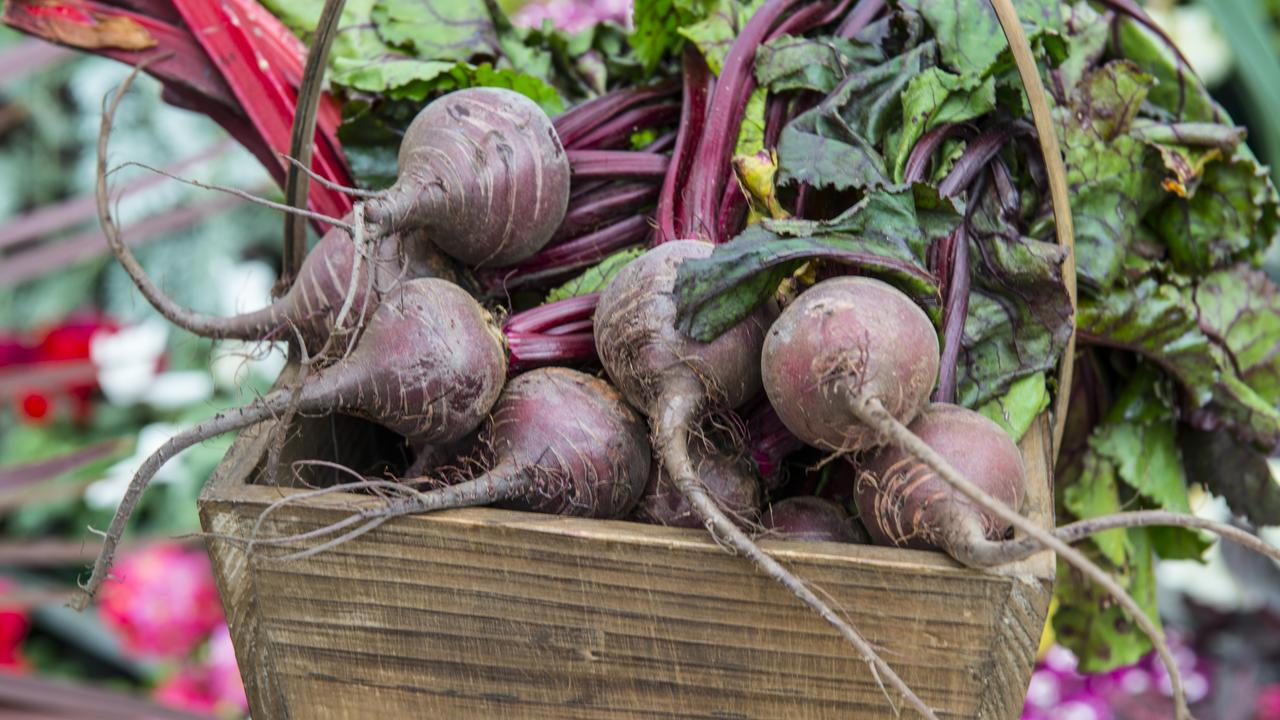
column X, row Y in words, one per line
column 224, row 675
column 1269, row 702
column 574, row 15
column 161, row 601
column 1135, row 692
column 187, row 689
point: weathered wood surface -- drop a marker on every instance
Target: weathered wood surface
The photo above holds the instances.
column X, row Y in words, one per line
column 487, row 613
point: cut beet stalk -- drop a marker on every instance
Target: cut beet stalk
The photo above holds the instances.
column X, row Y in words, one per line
column 545, row 317
column 616, row 133
column 693, row 113
column 607, row 203
column 615, row 164
column 564, row 259
column 710, row 170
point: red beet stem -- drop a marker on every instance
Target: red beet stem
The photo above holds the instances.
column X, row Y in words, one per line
column 693, row 113
column 615, row 164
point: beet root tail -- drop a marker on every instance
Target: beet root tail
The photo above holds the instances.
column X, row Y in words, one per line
column 673, row 415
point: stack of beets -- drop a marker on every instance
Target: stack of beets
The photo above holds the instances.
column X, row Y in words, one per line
column 393, row 319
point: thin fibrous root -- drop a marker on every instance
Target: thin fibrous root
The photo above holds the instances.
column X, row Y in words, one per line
column 873, row 414
column 326, row 182
column 1007, row 551
column 293, row 498
column 203, row 325
column 228, row 421
column 237, row 192
column 674, row 413
column 335, row 542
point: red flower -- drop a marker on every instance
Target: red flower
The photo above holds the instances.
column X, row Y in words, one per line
column 66, row 342
column 163, row 602
column 14, row 625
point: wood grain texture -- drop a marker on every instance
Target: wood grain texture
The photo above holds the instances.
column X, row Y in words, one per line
column 486, row 613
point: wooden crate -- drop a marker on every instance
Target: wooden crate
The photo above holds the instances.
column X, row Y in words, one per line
column 486, row 613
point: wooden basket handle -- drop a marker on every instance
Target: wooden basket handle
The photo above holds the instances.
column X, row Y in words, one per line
column 1040, row 113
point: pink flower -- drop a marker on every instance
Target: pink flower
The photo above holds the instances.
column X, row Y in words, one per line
column 212, row 686
column 187, row 689
column 1269, row 703
column 162, row 601
column 574, row 15
column 224, row 675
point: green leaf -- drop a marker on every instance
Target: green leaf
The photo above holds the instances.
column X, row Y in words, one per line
column 1089, row 622
column 452, row 30
column 1139, row 439
column 935, row 97
column 1113, row 177
column 1234, row 471
column 751, row 135
column 1177, row 91
column 1161, row 322
column 836, row 144
column 818, row 64
column 1094, row 494
column 715, row 32
column 1231, row 216
column 969, row 35
column 657, row 24
column 1240, row 308
column 1018, row 408
column 595, row 278
column 881, row 235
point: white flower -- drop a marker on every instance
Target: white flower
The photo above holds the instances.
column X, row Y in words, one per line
column 1193, row 30
column 246, row 287
column 1211, row 582
column 105, row 494
column 128, row 361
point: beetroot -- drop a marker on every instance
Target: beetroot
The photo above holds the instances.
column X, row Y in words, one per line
column 429, row 366
column 902, row 502
column 558, row 441
column 847, row 337
column 483, row 174
column 674, row 379
column 729, row 481
column 812, row 519
column 646, row 356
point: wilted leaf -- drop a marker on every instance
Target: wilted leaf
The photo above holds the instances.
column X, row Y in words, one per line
column 836, row 144
column 1187, row 148
column 935, row 97
column 1231, row 216
column 882, row 235
column 1234, row 471
column 1019, row 315
column 817, row 64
